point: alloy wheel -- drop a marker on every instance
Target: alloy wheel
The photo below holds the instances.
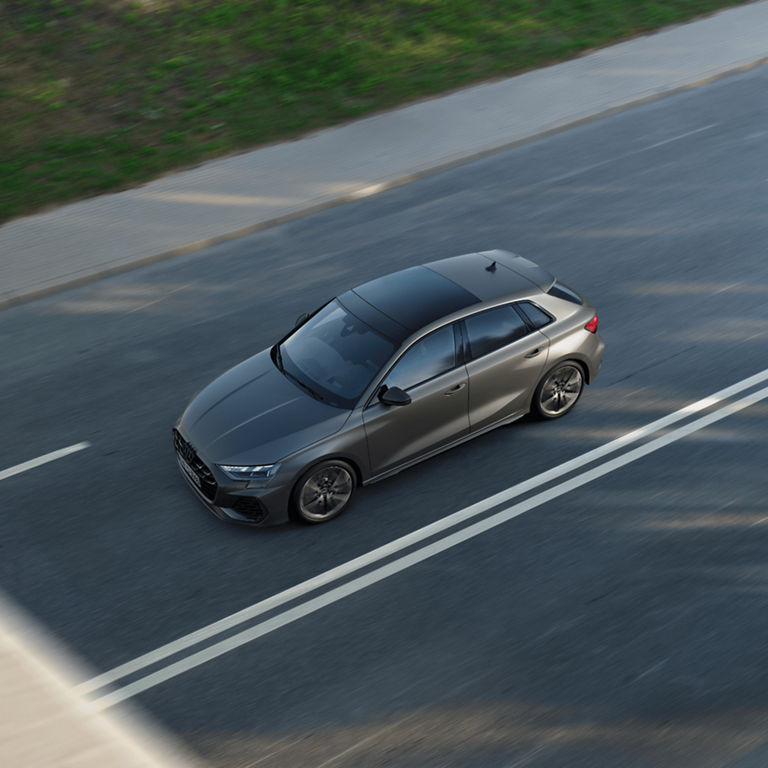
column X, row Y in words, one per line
column 325, row 492
column 560, row 390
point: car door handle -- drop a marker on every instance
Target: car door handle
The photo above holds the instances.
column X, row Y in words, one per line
column 454, row 390
column 533, row 352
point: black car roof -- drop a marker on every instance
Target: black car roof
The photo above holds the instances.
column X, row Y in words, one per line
column 402, row 302
column 492, row 275
column 415, row 297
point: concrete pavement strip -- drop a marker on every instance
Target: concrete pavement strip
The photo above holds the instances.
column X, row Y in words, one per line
column 243, row 193
column 43, row 724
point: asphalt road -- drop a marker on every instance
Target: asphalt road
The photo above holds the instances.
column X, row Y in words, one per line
column 621, row 623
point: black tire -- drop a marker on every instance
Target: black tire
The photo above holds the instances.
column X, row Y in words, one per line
column 323, row 492
column 559, row 390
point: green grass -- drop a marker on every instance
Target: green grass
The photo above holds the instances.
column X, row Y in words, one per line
column 96, row 95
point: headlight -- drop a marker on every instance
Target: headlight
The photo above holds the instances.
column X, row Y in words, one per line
column 257, row 476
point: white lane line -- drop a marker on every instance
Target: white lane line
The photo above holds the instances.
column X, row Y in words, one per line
column 622, row 156
column 680, row 136
column 40, row 460
column 582, row 169
column 436, row 547
column 327, row 577
column 158, row 300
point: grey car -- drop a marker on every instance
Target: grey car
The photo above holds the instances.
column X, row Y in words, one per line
column 381, row 377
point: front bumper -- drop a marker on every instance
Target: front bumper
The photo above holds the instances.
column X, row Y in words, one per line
column 226, row 500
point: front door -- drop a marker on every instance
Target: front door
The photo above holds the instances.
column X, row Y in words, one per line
column 437, row 413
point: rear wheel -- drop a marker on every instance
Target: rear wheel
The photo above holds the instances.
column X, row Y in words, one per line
column 324, row 491
column 558, row 391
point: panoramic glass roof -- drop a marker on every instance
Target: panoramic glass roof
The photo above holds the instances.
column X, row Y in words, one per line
column 415, row 296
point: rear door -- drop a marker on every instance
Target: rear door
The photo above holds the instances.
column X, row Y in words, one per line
column 436, row 382
column 505, row 360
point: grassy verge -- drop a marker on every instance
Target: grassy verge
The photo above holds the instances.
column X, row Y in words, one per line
column 96, row 95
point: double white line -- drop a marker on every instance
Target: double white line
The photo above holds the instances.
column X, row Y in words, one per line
column 110, row 695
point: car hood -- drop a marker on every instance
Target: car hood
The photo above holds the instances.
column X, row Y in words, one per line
column 254, row 414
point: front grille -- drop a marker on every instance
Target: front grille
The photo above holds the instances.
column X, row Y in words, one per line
column 208, row 483
column 251, row 508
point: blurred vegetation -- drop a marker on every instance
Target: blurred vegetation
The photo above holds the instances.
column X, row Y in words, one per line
column 96, row 95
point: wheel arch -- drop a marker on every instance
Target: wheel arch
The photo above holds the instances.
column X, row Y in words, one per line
column 577, row 358
column 584, row 365
column 329, row 457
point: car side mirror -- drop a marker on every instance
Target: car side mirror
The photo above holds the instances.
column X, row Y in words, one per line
column 393, row 396
column 301, row 319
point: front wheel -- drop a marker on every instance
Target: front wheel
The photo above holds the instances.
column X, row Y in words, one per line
column 558, row 390
column 323, row 492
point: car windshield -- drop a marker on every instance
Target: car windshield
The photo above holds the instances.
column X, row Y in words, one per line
column 335, row 355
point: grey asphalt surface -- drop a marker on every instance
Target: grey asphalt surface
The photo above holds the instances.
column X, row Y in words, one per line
column 623, row 624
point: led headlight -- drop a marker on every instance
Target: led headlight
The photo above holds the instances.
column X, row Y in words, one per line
column 257, row 475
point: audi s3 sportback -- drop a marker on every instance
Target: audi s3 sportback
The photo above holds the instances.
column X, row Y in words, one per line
column 381, row 377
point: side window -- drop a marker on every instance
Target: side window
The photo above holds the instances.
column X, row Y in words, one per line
column 493, row 329
column 537, row 317
column 428, row 357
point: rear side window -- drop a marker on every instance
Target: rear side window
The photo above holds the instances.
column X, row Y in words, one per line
column 537, row 317
column 564, row 292
column 493, row 329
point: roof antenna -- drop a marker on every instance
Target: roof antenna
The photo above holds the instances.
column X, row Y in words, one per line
column 491, row 267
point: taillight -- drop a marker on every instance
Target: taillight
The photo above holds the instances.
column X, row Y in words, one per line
column 591, row 326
